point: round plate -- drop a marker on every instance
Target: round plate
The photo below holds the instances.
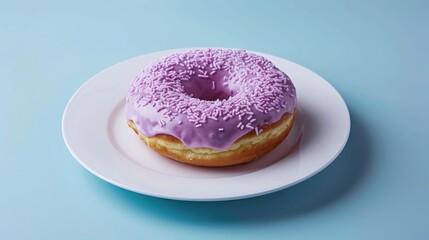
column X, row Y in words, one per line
column 95, row 131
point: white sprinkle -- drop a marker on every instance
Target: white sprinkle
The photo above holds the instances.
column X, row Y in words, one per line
column 201, row 71
column 213, row 118
column 256, row 131
column 242, row 127
column 161, row 122
column 249, row 126
column 239, row 124
column 202, row 76
column 213, row 85
column 220, row 129
column 259, row 110
column 225, row 84
column 225, row 118
column 212, row 72
column 278, row 110
column 216, row 114
column 198, row 125
column 253, row 120
column 179, row 122
column 249, row 117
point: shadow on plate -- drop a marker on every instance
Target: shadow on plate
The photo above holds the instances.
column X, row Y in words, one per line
column 321, row 190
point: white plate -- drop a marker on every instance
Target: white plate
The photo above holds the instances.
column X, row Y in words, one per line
column 96, row 133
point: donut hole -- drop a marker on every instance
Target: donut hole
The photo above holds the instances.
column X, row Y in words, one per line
column 209, row 89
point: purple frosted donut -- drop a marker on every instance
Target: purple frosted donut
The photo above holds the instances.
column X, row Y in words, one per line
column 209, row 98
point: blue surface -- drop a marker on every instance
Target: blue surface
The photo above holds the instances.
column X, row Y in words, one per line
column 373, row 52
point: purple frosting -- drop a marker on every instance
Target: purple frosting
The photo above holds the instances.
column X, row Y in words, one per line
column 209, row 97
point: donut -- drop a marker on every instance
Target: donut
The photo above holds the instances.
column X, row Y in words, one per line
column 211, row 107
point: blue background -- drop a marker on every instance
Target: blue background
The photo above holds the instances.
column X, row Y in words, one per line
column 374, row 52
